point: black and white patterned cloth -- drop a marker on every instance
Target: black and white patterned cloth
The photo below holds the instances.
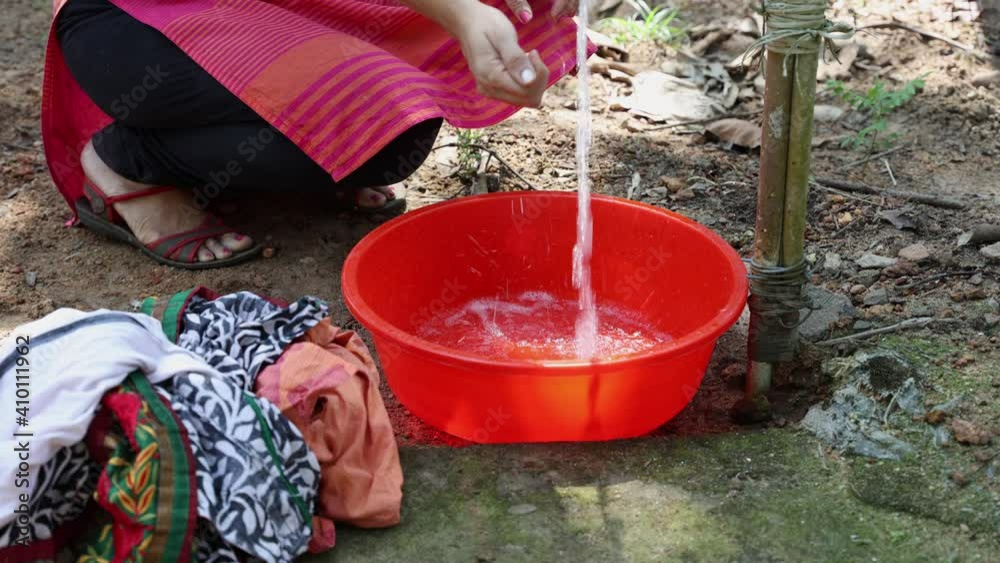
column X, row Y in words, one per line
column 242, row 493
column 64, row 486
column 241, row 334
column 257, row 478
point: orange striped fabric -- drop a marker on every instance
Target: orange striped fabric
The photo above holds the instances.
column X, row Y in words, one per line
column 341, row 78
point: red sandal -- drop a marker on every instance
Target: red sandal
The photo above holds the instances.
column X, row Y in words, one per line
column 96, row 212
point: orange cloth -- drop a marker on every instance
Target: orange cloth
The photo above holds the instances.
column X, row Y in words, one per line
column 327, row 385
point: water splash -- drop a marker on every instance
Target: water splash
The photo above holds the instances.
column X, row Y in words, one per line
column 586, row 322
column 536, row 325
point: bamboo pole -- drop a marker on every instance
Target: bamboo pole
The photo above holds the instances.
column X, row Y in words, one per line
column 789, row 100
column 771, row 190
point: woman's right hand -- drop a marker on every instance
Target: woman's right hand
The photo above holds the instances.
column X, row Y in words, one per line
column 502, row 69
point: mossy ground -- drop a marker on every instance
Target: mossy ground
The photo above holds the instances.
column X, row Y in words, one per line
column 748, row 496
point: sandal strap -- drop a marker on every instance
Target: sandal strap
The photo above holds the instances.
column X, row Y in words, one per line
column 103, row 204
column 186, row 244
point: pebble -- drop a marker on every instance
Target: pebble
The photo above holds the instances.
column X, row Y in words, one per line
column 30, row 278
column 308, row 261
column 869, row 260
column 657, row 193
column 992, row 252
column 833, row 262
column 976, row 279
column 863, row 325
column 876, row 297
column 915, row 253
column 685, row 194
column 857, row 289
column 992, row 320
column 673, row 184
column 867, row 277
column 268, row 252
column 521, row 509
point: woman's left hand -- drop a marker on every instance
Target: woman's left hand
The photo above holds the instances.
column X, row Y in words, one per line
column 560, row 9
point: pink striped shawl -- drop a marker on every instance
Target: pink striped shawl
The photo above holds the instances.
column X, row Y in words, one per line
column 341, row 78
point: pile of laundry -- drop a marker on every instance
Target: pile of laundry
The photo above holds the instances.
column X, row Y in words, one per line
column 205, row 429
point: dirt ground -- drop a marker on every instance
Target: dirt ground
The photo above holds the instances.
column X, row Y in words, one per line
column 950, row 133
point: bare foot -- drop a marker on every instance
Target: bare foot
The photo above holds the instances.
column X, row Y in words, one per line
column 373, row 198
column 156, row 216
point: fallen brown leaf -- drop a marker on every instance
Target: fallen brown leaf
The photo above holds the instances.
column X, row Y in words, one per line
column 736, row 132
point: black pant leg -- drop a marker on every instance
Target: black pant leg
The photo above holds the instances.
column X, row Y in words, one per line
column 176, row 125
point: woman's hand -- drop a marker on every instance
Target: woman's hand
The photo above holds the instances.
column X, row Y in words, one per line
column 560, row 9
column 502, row 69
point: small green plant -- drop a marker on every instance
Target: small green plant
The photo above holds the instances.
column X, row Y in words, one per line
column 469, row 155
column 878, row 102
column 656, row 24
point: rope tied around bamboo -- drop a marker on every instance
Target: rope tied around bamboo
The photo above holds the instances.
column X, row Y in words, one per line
column 798, row 27
column 777, row 295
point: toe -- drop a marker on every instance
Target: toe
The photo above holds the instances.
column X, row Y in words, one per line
column 236, row 242
column 219, row 251
column 388, row 191
column 205, row 255
column 371, row 198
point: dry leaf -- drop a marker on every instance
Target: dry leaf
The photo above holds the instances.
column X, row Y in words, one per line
column 735, row 132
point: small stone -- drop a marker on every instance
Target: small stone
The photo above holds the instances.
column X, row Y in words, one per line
column 857, row 289
column 837, row 198
column 869, row 260
column 867, row 277
column 827, row 114
column 915, row 253
column 969, row 433
column 935, row 417
column 863, row 325
column 268, row 252
column 991, row 252
column 876, row 297
column 844, row 218
column 986, row 78
column 672, row 184
column 657, row 193
column 983, row 456
column 31, row 278
column 991, row 320
column 976, row 279
column 17, row 270
column 833, row 262
column 958, row 478
column 522, row 509
column 308, row 261
column 686, row 194
column 963, row 361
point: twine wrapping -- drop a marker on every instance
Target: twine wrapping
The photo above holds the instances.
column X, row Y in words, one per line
column 798, row 27
column 777, row 294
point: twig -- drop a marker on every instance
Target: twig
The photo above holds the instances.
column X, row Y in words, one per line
column 888, row 409
column 927, row 34
column 889, row 170
column 938, row 277
column 907, row 324
column 928, row 199
column 847, row 194
column 703, row 121
column 492, row 153
column 874, row 156
column 981, row 233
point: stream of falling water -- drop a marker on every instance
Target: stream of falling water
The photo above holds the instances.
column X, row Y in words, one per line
column 586, row 321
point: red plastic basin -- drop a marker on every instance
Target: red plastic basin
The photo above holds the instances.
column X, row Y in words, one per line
column 686, row 280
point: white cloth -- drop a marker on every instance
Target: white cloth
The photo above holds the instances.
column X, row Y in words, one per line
column 74, row 358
